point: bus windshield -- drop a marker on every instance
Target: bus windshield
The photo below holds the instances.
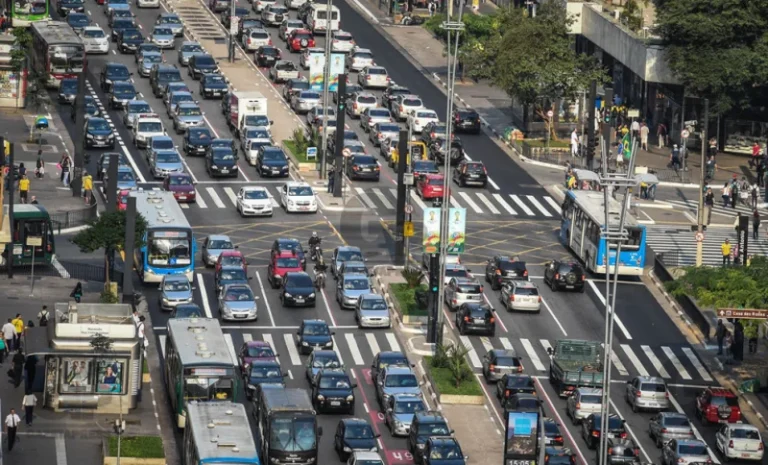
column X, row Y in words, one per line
column 293, row 434
column 66, row 58
column 169, row 249
column 34, row 7
column 208, row 388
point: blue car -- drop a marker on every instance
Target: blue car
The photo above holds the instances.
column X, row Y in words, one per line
column 65, row 7
column 78, row 21
column 147, row 60
column 162, row 36
column 321, row 360
column 68, row 90
column 157, row 143
column 332, row 390
column 187, row 115
column 271, row 162
column 128, row 40
column 126, row 179
column 213, row 86
column 98, row 133
column 187, row 50
column 262, row 372
column 314, row 334
column 122, row 92
column 201, row 65
column 344, row 254
column 172, row 21
column 110, row 5
column 350, row 287
column 165, row 162
column 144, row 48
column 120, row 24
column 113, row 72
column 197, row 141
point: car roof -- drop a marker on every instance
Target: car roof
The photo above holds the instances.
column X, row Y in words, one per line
column 188, row 105
column 650, row 379
column 465, row 280
column 525, row 284
column 315, row 321
column 176, row 277
column 395, row 370
column 721, row 392
column 504, row 352
column 744, row 426
column 347, row 276
column 329, row 353
column 348, row 248
column 190, row 42
column 265, row 362
column 297, row 184
column 442, row 440
column 287, row 240
column 254, row 189
column 373, row 296
column 236, row 286
column 367, row 455
column 287, row 254
column 691, row 442
column 350, row 421
column 218, row 237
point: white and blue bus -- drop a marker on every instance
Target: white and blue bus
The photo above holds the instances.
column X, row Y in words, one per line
column 581, row 227
column 169, row 246
column 218, row 433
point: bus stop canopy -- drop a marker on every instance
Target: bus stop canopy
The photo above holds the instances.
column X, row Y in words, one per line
column 586, row 175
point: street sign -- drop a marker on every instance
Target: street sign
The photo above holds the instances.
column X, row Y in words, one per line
column 409, row 208
column 34, row 241
column 685, row 134
column 311, row 153
column 347, row 153
column 408, row 228
column 699, row 237
column 234, row 23
column 749, row 313
column 550, row 114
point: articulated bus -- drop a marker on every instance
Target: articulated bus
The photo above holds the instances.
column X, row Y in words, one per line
column 581, row 228
column 57, row 51
column 218, row 433
column 198, row 365
column 26, row 12
column 31, row 224
column 169, row 246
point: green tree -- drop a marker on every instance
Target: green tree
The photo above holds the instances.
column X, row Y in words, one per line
column 108, row 232
column 731, row 287
column 533, row 59
column 37, row 95
column 717, row 48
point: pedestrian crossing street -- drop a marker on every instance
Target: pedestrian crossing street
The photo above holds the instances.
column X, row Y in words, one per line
column 692, row 205
column 356, row 348
column 680, row 245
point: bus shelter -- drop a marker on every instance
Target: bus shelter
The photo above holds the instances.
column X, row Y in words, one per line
column 90, row 357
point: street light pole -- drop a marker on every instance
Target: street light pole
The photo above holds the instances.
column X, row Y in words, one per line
column 701, row 219
column 326, row 89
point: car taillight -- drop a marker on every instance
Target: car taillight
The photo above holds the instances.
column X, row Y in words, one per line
column 596, row 434
column 573, row 460
column 512, row 298
column 578, row 405
column 492, row 320
column 485, row 171
column 355, row 106
column 506, row 393
column 666, row 394
column 367, row 78
column 249, row 41
column 637, row 452
column 402, row 109
column 520, row 369
column 455, row 301
column 639, row 394
column 664, row 431
column 491, row 368
column 466, row 319
column 388, row 79
column 498, row 272
column 583, row 278
column 681, row 460
column 356, row 168
column 730, row 444
column 269, row 42
column 760, row 446
column 557, row 275
column 378, row 168
column 525, row 273
column 558, row 439
column 539, row 299
column 623, row 435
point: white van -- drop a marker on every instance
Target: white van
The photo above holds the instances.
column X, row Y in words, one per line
column 317, row 17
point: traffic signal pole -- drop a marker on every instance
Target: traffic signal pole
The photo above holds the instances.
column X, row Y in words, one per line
column 591, row 142
column 338, row 165
column 433, row 333
column 402, row 163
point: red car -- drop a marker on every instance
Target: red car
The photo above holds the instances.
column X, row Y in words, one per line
column 718, row 405
column 431, row 186
column 280, row 264
column 122, row 199
column 182, row 186
column 255, row 350
column 232, row 258
column 300, row 39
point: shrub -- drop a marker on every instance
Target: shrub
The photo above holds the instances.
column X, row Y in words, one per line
column 412, row 277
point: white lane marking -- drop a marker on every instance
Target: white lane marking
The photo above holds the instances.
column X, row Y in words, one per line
column 275, row 203
column 372, row 343
column 505, row 343
column 616, row 318
column 553, row 204
column 504, row 204
column 392, row 340
column 61, row 448
column 383, row 199
column 366, row 11
column 472, row 354
column 493, row 184
column 268, row 339
column 232, row 196
column 358, row 359
column 545, row 343
column 415, row 198
column 454, row 203
column 247, row 337
column 292, row 352
column 471, row 203
column 266, row 301
column 163, row 338
column 676, row 363
column 336, row 349
column 697, row 364
column 231, row 347
column 185, row 206
column 631, row 433
column 539, row 206
column 327, row 307
column 532, row 355
column 216, row 199
column 364, row 197
column 522, row 206
column 204, row 296
column 618, row 364
column 488, row 203
column 199, row 200
column 635, row 361
column 549, row 309
column 487, row 346
column 655, row 361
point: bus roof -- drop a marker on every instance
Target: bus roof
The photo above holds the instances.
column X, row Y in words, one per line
column 56, row 33
column 21, row 210
column 199, row 341
column 593, row 204
column 287, row 400
column 160, row 209
column 221, row 431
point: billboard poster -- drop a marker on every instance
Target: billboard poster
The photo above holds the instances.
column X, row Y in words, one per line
column 431, row 231
column 316, row 71
column 337, row 67
column 522, row 438
column 457, row 230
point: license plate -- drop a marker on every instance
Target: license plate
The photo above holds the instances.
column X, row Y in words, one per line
column 241, row 316
column 569, row 287
column 480, row 321
column 472, row 175
column 299, row 299
column 182, row 197
column 225, row 171
column 275, row 171
column 303, row 208
column 335, row 403
column 745, row 455
column 653, row 404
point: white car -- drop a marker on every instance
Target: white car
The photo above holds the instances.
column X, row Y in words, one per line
column 287, row 26
column 259, row 5
column 254, row 201
column 306, row 53
column 360, row 102
column 521, row 296
column 404, row 104
column 273, row 15
column 373, row 76
column 359, row 58
column 255, row 38
column 148, row 3
column 95, row 40
column 417, row 119
column 145, row 128
column 342, row 42
column 739, row 441
column 460, row 291
column 298, row 197
column 294, row 4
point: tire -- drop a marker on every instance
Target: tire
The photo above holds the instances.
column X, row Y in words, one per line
column 553, row 285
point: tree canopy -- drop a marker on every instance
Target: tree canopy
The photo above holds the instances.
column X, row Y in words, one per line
column 717, row 48
column 108, row 232
column 730, row 287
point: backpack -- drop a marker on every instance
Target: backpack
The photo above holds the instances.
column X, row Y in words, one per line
column 44, row 318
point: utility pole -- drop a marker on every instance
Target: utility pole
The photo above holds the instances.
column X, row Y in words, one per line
column 130, row 239
column 339, row 163
column 111, row 185
column 590, row 135
column 11, row 189
column 326, row 91
column 76, row 174
column 700, row 216
column 233, row 20
column 402, row 162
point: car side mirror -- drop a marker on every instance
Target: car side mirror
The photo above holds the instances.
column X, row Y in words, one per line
column 389, row 409
column 468, row 270
column 629, row 382
column 250, row 278
column 271, row 122
column 251, row 387
column 333, row 333
column 298, row 333
column 194, row 288
column 354, row 385
column 237, row 246
column 285, row 374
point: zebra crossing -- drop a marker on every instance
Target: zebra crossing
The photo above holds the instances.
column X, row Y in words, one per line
column 221, row 196
column 355, row 348
column 679, row 245
column 692, row 206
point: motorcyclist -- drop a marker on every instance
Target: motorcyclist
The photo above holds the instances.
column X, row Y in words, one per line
column 314, row 243
column 320, row 269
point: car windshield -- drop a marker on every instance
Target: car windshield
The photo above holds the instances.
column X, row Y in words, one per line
column 299, row 85
column 434, row 429
column 424, row 166
column 220, row 156
column 349, row 256
column 529, row 291
column 381, row 113
column 436, row 182
column 591, row 399
column 205, row 60
column 176, row 286
column 474, row 167
column 289, row 262
column 356, row 284
column 653, row 387
column 260, row 351
column 310, row 95
column 162, row 31
column 378, row 71
column 355, row 268
column 365, row 160
column 445, row 451
column 122, row 23
column 76, row 19
column 316, row 330
column 409, row 406
column 188, row 312
column 256, row 120
column 299, row 281
column 676, row 421
column 692, row 449
column 131, row 34
column 239, row 294
column 326, row 361
column 231, row 260
column 743, row 433
column 721, row 400
column 469, row 288
column 68, row 86
column 259, row 35
column 94, row 34
column 125, row 176
column 302, row 191
column 412, row 102
column 559, row 460
column 98, row 125
column 180, row 181
column 190, row 111
column 169, row 20
column 199, row 135
column 256, row 134
column 170, row 76
column 220, row 244
column 221, row 143
column 168, row 157
column 270, row 51
column 403, row 381
column 289, row 245
column 153, row 58
column 363, row 55
column 519, row 381
column 455, row 272
column 274, row 155
column 358, row 432
column 214, row 79
column 303, row 35
column 189, row 48
column 255, row 195
column 334, row 382
column 373, row 304
column 123, row 87
column 425, row 114
column 395, row 360
column 237, row 274
column 261, row 372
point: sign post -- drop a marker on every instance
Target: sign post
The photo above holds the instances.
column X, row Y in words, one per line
column 747, row 313
column 684, row 135
column 34, row 242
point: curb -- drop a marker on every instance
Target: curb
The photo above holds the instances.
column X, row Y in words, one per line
column 428, row 386
column 403, row 327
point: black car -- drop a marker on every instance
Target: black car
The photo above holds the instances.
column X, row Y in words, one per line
column 443, row 451
column 221, row 161
column 426, row 425
column 64, row 7
column 222, row 143
column 197, row 140
column 351, row 89
column 314, row 334
column 363, row 167
column 423, row 168
column 332, row 390
column 294, row 86
column 476, row 317
column 120, row 24
column 466, row 120
column 501, row 269
column 391, row 93
column 433, row 131
column 187, row 311
column 552, row 433
column 470, row 173
column 522, row 403
column 561, row 275
column 120, row 94
column 262, row 372
column 129, row 40
column 78, row 21
column 272, row 162
column 267, row 56
column 91, row 109
column 200, row 65
column 102, row 166
column 113, row 72
column 68, row 90
column 438, row 149
column 620, row 451
column 383, row 360
column 98, row 133
column 591, row 429
column 512, row 384
column 559, row 456
column 226, row 15
column 248, row 23
column 297, row 290
column 213, row 86
column 354, row 434
column 117, row 14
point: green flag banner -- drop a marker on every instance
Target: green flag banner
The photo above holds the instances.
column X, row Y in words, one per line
column 627, row 143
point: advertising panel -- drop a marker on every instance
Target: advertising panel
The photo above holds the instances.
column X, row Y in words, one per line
column 337, row 67
column 457, row 230
column 316, row 70
column 522, row 438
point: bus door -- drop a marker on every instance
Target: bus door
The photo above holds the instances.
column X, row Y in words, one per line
column 29, row 234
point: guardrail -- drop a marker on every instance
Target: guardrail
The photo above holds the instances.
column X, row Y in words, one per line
column 74, row 218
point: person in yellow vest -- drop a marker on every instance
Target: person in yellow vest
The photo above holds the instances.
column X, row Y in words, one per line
column 571, row 182
column 24, row 188
column 18, row 326
column 726, row 249
column 87, row 187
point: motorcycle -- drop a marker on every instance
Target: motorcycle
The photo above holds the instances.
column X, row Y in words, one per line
column 409, row 20
column 317, row 253
column 319, row 279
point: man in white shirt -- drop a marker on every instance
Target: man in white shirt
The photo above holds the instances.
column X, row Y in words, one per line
column 29, row 402
column 9, row 334
column 11, row 423
column 136, row 317
column 635, row 127
column 142, row 335
column 574, row 143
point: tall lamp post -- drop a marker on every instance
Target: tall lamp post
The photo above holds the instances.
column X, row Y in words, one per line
column 701, row 219
column 326, row 88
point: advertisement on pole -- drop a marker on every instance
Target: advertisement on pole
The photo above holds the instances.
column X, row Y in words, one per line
column 316, row 70
column 431, row 233
column 522, row 438
column 337, row 67
column 457, row 230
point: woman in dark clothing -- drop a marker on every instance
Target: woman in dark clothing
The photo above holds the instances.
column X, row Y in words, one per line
column 18, row 367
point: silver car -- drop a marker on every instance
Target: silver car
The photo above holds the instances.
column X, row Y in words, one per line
column 647, row 393
column 382, row 131
column 371, row 116
column 187, row 115
column 175, row 289
column 172, row 21
column 287, row 26
column 666, row 426
column 372, row 311
column 237, row 302
column 322, row 360
column 396, row 380
column 305, row 101
column 133, row 109
column 399, row 412
column 461, row 291
column 361, row 102
column 317, row 113
column 162, row 36
column 373, row 76
column 350, row 287
column 294, row 4
column 388, row 146
column 342, row 42
column 148, row 59
column 273, row 15
column 255, row 38
column 583, row 403
column 684, row 452
column 175, row 98
column 188, row 49
column 520, row 296
column 212, row 247
column 359, row 58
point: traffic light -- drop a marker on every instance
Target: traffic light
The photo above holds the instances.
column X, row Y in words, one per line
column 434, row 273
column 86, row 160
column 591, row 147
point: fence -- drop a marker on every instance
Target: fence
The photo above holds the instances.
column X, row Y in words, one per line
column 74, row 218
column 68, row 269
column 686, row 303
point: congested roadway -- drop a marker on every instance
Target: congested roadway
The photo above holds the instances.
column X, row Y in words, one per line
column 646, row 341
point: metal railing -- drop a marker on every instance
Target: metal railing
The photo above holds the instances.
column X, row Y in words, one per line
column 74, row 218
column 70, row 270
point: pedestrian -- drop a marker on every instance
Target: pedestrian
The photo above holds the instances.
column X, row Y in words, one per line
column 574, row 143
column 39, row 165
column 661, row 135
column 24, row 188
column 738, row 341
column 751, row 334
column 11, row 423
column 9, row 335
column 30, row 371
column 42, row 316
column 760, row 173
column 720, row 333
column 652, row 191
column 674, row 158
column 635, row 126
column 755, row 224
column 726, row 195
column 754, row 191
column 728, row 348
column 18, row 326
column 644, row 132
column 33, row 200
column 29, row 402
column 331, row 179
column 87, row 187
column 725, row 248
column 709, row 204
column 65, row 167
column 141, row 331
column 734, row 193
column 136, row 317
column 18, row 366
column 432, row 7
column 711, row 166
column 756, row 154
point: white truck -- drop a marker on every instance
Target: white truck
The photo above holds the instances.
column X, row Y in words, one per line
column 242, row 104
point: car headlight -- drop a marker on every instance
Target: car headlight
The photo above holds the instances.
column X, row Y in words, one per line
column 111, row 136
column 234, row 168
column 350, row 398
column 312, row 295
column 304, row 344
column 347, row 449
column 374, row 449
column 320, row 397
column 420, row 446
column 290, row 203
column 288, row 295
column 277, row 276
column 214, row 167
column 89, row 136
column 165, row 299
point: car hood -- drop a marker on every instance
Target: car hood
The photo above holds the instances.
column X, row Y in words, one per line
column 240, row 305
column 177, row 295
column 300, row 290
column 402, row 390
column 225, row 282
column 215, row 85
column 170, row 166
column 405, row 418
column 224, row 162
column 317, row 339
column 374, row 313
column 355, row 293
column 335, row 392
column 276, row 163
column 134, row 40
column 251, row 202
column 272, row 380
column 360, row 444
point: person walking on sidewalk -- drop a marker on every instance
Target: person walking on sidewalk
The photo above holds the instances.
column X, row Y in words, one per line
column 726, row 195
column 760, row 173
column 754, row 191
column 18, row 326
column 635, row 126
column 18, row 367
column 87, row 187
column 674, row 158
column 725, row 248
column 9, row 335
column 720, row 333
column 43, row 316
column 29, row 402
column 30, row 371
column 709, row 204
column 39, row 165
column 331, row 180
column 755, row 224
column 11, row 424
column 574, row 143
column 711, row 166
column 644, row 131
column 661, row 135
column 24, row 188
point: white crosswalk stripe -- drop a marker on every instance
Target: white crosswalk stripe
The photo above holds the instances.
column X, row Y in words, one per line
column 336, row 349
column 552, row 203
column 292, row 352
column 532, row 355
column 454, row 203
column 679, row 245
column 619, row 364
column 504, row 204
column 539, row 206
column 215, row 197
column 383, row 199
column 364, row 197
column 545, row 343
column 488, row 203
column 522, row 206
column 393, row 345
column 356, row 357
column 676, row 363
column 505, row 343
column 372, row 343
column 486, row 344
column 232, row 196
column 415, row 199
column 473, row 358
column 635, row 361
column 655, row 361
column 247, row 337
column 199, row 200
column 268, row 339
column 231, row 347
column 697, row 364
column 471, row 203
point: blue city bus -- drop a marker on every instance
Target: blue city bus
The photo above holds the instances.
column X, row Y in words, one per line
column 581, row 230
column 218, row 433
column 169, row 245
